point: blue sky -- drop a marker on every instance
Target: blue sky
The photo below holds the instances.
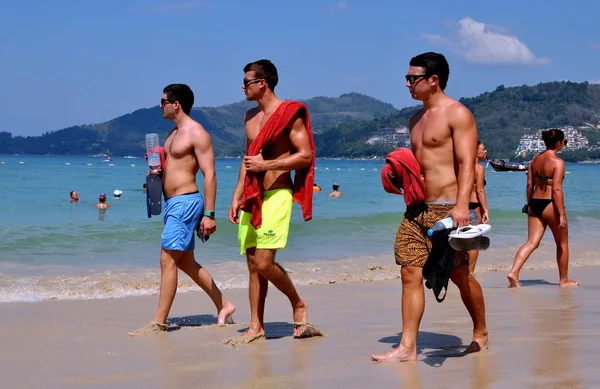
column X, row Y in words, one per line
column 69, row 62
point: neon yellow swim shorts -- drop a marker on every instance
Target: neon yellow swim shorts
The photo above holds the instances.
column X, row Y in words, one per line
column 276, row 216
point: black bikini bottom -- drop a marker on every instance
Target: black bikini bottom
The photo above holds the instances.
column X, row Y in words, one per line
column 473, row 205
column 537, row 206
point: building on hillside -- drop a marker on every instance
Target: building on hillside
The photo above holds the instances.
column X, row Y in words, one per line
column 531, row 144
column 389, row 134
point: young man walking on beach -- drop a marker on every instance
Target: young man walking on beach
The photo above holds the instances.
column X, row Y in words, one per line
column 444, row 139
column 187, row 149
column 278, row 140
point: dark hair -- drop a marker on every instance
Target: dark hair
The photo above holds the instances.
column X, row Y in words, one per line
column 71, row 193
column 335, row 186
column 552, row 136
column 182, row 94
column 264, row 69
column 434, row 64
column 145, row 185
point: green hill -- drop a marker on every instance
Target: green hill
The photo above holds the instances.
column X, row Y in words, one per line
column 125, row 135
column 343, row 125
column 502, row 116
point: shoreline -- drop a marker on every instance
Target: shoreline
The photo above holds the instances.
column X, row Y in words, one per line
column 126, row 282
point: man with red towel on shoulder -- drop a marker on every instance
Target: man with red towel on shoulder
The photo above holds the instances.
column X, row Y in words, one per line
column 443, row 137
column 278, row 140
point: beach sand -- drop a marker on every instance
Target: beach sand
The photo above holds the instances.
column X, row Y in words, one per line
column 541, row 336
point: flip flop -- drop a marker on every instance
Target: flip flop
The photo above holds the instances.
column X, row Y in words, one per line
column 154, row 189
column 480, row 243
column 310, row 330
column 233, row 342
column 468, row 232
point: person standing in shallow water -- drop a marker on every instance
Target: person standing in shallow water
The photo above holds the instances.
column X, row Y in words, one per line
column 546, row 207
column 478, row 206
column 443, row 136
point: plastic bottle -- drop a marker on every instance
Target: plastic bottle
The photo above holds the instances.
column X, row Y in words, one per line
column 152, row 152
column 440, row 225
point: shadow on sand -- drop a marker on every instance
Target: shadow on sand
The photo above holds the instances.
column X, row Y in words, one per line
column 433, row 348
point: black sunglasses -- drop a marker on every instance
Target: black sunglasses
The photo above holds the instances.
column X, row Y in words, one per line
column 165, row 101
column 248, row 81
column 412, row 78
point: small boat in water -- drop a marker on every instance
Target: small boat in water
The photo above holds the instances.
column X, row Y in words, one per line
column 502, row 166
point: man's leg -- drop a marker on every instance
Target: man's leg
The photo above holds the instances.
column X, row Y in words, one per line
column 413, row 305
column 258, row 294
column 187, row 263
column 264, row 262
column 168, row 283
column 472, row 296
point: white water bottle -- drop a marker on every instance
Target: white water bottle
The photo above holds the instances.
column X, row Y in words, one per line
column 152, row 152
column 440, row 225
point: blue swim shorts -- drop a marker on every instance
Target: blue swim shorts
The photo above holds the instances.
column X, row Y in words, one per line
column 182, row 215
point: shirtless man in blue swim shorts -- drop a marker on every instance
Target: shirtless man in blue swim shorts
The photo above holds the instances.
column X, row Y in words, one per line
column 187, row 149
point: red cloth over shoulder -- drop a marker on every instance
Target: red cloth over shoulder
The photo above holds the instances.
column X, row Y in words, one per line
column 402, row 175
column 304, row 179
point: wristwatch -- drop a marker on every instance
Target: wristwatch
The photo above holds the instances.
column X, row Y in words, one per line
column 210, row 214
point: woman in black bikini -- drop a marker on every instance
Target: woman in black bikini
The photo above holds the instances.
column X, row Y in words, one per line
column 478, row 207
column 546, row 207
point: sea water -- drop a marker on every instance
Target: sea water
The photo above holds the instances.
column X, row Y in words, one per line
column 51, row 248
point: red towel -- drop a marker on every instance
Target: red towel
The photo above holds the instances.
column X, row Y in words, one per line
column 303, row 178
column 402, row 175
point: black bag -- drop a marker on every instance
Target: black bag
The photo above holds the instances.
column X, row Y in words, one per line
column 525, row 208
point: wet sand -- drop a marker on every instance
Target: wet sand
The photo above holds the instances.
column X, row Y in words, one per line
column 541, row 336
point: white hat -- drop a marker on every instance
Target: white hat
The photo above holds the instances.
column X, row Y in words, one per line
column 117, row 192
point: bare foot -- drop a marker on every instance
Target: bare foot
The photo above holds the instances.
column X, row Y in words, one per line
column 513, row 281
column 478, row 344
column 300, row 316
column 225, row 314
column 568, row 283
column 150, row 328
column 401, row 354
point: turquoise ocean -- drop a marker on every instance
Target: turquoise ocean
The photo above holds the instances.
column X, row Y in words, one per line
column 53, row 249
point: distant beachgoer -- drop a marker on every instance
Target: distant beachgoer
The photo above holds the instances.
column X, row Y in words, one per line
column 144, row 187
column 278, row 140
column 478, row 206
column 316, row 188
column 74, row 196
column 188, row 148
column 117, row 194
column 546, row 207
column 102, row 204
column 336, row 192
column 444, row 141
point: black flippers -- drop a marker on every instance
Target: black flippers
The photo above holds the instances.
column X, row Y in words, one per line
column 154, row 192
column 438, row 266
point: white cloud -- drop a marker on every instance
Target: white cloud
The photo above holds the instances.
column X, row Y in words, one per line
column 176, row 6
column 486, row 45
column 338, row 8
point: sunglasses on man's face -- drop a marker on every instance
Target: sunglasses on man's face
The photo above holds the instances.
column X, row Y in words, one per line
column 248, row 81
column 165, row 101
column 412, row 78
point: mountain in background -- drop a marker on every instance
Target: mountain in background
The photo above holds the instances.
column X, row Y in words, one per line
column 503, row 117
column 125, row 135
column 350, row 126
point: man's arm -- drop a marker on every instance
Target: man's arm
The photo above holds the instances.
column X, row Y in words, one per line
column 301, row 158
column 206, row 162
column 464, row 139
